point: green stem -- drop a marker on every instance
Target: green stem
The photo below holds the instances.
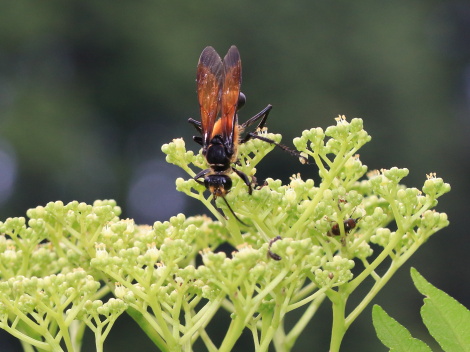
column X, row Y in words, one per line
column 207, row 341
column 233, row 334
column 328, row 178
column 234, row 229
column 202, row 321
column 339, row 325
column 394, row 266
column 280, row 340
column 37, row 328
column 147, row 328
column 27, row 347
column 77, row 329
column 276, row 321
column 299, row 327
column 98, row 337
column 25, row 339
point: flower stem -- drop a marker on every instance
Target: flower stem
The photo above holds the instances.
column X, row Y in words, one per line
column 339, row 325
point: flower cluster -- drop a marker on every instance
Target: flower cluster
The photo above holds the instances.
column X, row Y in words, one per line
column 295, row 246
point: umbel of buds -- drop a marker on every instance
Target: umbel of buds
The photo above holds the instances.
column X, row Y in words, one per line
column 296, row 245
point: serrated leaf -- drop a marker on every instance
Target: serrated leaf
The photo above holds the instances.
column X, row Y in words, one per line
column 394, row 335
column 447, row 320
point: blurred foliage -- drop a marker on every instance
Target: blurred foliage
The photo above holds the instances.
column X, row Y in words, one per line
column 90, row 90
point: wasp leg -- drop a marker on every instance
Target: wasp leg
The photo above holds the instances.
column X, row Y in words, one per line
column 201, row 174
column 263, row 115
column 198, row 140
column 197, row 124
column 292, row 152
column 271, row 254
column 245, row 179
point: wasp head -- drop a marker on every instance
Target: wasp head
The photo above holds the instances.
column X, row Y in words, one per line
column 218, row 185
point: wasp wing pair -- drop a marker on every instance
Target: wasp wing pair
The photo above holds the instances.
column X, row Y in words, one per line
column 219, row 95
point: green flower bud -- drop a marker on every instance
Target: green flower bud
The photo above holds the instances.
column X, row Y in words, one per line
column 395, row 174
column 435, row 186
column 362, row 250
column 119, row 290
column 382, row 237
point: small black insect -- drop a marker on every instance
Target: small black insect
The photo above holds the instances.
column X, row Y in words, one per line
column 348, row 224
column 271, row 254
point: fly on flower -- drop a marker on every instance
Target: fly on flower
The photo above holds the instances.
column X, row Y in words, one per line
column 220, row 98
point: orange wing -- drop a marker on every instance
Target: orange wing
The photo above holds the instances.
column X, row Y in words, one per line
column 209, row 86
column 230, row 93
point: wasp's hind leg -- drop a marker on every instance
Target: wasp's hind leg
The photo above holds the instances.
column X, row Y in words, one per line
column 197, row 124
column 292, row 152
column 263, row 115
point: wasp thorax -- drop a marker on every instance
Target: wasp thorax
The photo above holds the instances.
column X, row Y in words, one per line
column 217, row 157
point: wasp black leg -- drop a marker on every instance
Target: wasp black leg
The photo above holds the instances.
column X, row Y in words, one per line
column 245, row 179
column 271, row 254
column 201, row 174
column 295, row 153
column 263, row 115
column 197, row 124
column 198, row 140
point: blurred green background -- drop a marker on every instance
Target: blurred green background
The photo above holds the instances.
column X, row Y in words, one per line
column 90, row 90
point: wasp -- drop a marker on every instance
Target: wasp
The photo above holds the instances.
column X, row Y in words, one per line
column 220, row 98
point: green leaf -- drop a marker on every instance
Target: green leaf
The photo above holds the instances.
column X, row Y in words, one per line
column 446, row 319
column 394, row 335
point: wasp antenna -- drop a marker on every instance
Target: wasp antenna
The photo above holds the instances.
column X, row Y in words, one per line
column 231, row 210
